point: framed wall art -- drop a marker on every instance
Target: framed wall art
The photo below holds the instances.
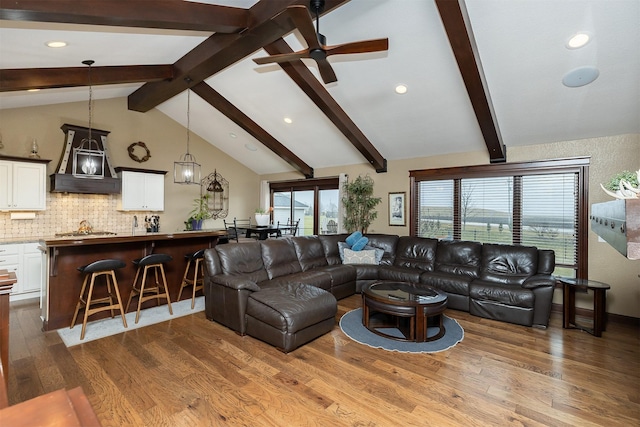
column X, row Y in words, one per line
column 397, row 209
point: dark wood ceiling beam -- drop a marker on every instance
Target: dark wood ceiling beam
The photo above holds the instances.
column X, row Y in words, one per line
column 456, row 23
column 48, row 78
column 316, row 91
column 220, row 51
column 168, row 14
column 220, row 103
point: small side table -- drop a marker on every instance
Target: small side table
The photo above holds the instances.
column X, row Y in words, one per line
column 569, row 287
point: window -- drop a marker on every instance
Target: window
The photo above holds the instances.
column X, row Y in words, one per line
column 312, row 201
column 542, row 204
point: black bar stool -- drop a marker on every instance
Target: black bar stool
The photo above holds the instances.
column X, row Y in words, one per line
column 195, row 259
column 106, row 268
column 156, row 263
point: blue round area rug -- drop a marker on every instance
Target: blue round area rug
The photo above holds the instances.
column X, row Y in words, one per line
column 351, row 325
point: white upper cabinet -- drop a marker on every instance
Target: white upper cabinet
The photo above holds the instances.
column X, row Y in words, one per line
column 23, row 186
column 141, row 191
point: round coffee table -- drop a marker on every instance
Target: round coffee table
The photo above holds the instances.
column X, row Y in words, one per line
column 410, row 308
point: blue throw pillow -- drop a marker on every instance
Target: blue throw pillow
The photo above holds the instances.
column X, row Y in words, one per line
column 353, row 238
column 360, row 244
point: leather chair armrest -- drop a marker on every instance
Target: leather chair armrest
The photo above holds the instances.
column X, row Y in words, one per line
column 235, row 282
column 539, row 280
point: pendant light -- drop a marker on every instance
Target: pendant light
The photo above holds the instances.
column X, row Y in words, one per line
column 88, row 158
column 187, row 170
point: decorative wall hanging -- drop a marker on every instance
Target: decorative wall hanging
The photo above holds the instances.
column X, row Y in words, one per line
column 187, row 171
column 132, row 152
column 217, row 188
column 397, row 209
column 88, row 158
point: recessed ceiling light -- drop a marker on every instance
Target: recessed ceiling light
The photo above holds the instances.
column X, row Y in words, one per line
column 233, row 135
column 33, row 90
column 288, row 120
column 578, row 40
column 250, row 147
column 56, row 44
column 401, row 89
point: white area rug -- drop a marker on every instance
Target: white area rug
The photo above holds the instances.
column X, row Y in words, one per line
column 106, row 327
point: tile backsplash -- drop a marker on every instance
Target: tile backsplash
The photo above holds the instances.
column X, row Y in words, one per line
column 64, row 213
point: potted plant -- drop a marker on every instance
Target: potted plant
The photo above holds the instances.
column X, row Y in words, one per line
column 359, row 204
column 263, row 216
column 623, row 185
column 200, row 212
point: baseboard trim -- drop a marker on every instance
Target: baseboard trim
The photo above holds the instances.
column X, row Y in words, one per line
column 611, row 317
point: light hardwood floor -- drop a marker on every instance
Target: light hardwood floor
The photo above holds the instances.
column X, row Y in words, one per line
column 192, row 372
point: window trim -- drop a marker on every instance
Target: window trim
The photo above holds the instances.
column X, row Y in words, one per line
column 311, row 184
column 579, row 165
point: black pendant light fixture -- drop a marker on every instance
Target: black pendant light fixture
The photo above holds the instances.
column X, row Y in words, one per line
column 88, row 157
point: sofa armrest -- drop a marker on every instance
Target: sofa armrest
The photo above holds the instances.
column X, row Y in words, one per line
column 539, row 280
column 235, row 282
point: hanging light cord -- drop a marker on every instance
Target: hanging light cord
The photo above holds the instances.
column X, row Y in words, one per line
column 89, row 62
column 188, row 117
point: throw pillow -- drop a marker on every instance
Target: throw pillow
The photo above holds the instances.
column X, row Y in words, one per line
column 360, row 244
column 353, row 237
column 359, row 257
column 341, row 247
column 379, row 253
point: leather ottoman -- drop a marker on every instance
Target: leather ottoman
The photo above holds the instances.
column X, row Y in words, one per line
column 288, row 316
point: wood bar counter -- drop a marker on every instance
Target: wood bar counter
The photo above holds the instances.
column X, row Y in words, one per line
column 65, row 255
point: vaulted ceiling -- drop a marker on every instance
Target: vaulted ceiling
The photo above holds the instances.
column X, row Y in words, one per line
column 481, row 74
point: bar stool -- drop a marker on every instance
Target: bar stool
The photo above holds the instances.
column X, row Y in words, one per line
column 155, row 262
column 106, row 268
column 197, row 281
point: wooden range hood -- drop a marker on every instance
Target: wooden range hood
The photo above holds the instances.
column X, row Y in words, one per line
column 63, row 180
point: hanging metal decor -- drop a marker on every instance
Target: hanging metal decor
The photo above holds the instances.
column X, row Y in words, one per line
column 217, row 188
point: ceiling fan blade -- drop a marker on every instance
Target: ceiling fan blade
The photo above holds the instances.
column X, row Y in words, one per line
column 284, row 57
column 304, row 22
column 326, row 72
column 358, row 47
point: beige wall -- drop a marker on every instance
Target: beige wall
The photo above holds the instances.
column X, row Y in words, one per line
column 165, row 138
column 608, row 156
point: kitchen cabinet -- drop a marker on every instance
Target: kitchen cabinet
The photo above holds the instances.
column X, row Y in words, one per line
column 25, row 260
column 23, row 185
column 142, row 190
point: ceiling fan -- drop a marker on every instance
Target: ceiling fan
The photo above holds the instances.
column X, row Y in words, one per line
column 316, row 48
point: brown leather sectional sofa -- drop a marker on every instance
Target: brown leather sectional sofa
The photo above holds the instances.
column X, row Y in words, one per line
column 502, row 282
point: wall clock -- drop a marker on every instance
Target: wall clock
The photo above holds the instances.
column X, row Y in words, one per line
column 139, row 148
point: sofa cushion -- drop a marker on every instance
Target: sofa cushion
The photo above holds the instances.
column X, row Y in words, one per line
column 340, row 274
column 316, row 277
column 508, row 264
column 309, row 252
column 449, row 283
column 458, row 257
column 279, row 257
column 330, row 246
column 386, row 242
column 510, row 296
column 242, row 259
column 399, row 274
column 360, row 257
column 415, row 253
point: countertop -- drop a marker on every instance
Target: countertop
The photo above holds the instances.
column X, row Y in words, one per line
column 126, row 238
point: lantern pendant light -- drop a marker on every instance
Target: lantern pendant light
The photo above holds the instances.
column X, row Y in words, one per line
column 88, row 158
column 187, row 170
